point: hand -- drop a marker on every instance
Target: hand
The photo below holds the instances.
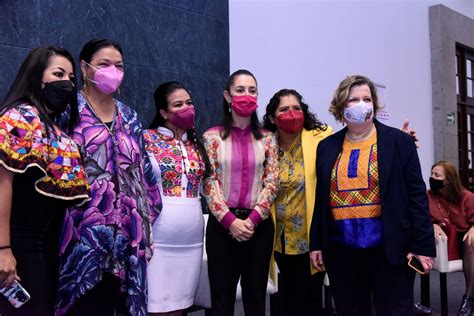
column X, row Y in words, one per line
column 438, row 232
column 249, row 224
column 427, row 262
column 469, row 237
column 410, row 132
column 238, row 229
column 7, row 268
column 317, row 261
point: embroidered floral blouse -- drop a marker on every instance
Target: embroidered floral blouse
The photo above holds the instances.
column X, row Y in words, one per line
column 244, row 173
column 178, row 164
column 111, row 233
column 291, row 230
column 24, row 144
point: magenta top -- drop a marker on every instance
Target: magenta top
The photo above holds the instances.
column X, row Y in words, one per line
column 244, row 173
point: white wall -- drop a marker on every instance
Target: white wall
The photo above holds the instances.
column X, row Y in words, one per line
column 311, row 46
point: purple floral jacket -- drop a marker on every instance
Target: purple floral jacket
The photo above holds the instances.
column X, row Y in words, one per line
column 112, row 232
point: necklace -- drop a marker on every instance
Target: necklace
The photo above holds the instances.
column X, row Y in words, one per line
column 439, row 207
column 113, row 128
column 361, row 137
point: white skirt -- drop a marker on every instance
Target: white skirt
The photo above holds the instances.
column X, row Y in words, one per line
column 174, row 269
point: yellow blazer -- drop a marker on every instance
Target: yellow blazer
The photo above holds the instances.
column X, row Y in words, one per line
column 309, row 142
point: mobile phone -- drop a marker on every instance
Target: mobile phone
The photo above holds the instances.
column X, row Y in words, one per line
column 16, row 294
column 416, row 265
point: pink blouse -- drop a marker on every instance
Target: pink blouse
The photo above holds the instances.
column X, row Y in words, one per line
column 244, row 173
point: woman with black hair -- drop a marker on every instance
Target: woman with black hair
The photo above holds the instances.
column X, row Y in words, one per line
column 106, row 243
column 180, row 163
column 298, row 133
column 239, row 192
column 41, row 173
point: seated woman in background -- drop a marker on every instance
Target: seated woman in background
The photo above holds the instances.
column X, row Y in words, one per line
column 179, row 163
column 41, row 173
column 452, row 210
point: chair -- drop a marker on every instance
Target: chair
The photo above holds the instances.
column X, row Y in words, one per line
column 443, row 266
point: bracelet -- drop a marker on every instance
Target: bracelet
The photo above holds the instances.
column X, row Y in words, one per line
column 5, row 247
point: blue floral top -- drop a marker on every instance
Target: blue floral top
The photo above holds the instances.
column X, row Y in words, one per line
column 112, row 232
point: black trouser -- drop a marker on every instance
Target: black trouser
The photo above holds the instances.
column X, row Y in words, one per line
column 104, row 299
column 299, row 292
column 357, row 275
column 229, row 259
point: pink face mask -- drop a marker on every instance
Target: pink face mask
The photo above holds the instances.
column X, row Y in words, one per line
column 107, row 79
column 244, row 105
column 183, row 118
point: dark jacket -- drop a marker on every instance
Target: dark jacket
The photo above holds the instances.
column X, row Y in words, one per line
column 405, row 213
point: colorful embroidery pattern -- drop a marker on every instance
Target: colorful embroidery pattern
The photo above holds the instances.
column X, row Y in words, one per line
column 364, row 199
column 24, row 144
column 112, row 233
column 355, row 195
column 168, row 153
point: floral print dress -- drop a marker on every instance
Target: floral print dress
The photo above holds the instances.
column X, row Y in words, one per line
column 112, row 233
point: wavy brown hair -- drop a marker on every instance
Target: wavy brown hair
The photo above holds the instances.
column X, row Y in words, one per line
column 342, row 93
column 454, row 187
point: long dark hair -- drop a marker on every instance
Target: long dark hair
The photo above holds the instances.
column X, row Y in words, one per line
column 161, row 102
column 27, row 86
column 310, row 120
column 93, row 46
column 227, row 115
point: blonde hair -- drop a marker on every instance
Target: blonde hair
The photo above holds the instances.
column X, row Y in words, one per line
column 342, row 92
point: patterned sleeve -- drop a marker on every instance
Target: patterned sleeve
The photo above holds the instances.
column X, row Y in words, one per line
column 269, row 181
column 23, row 145
column 20, row 137
column 151, row 184
column 151, row 194
column 212, row 184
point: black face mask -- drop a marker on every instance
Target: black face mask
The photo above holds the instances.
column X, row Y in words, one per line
column 436, row 184
column 57, row 95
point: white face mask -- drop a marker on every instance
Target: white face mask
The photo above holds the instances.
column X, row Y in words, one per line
column 359, row 113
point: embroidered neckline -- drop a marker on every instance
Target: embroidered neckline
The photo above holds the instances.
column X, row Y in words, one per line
column 167, row 134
